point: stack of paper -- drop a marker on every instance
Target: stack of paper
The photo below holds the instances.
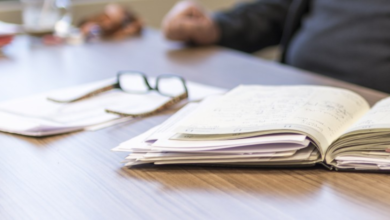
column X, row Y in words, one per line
column 370, row 160
column 37, row 116
column 162, row 145
column 366, row 144
column 362, row 151
column 272, row 126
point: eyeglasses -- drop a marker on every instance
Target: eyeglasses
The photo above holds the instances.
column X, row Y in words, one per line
column 171, row 86
column 137, row 82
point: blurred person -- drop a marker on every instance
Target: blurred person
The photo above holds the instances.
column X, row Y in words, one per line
column 347, row 40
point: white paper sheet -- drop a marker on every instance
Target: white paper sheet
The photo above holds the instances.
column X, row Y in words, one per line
column 300, row 155
column 363, row 159
column 37, row 116
column 260, row 140
column 176, row 156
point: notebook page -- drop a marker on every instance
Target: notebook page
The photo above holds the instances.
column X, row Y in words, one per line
column 323, row 113
column 378, row 117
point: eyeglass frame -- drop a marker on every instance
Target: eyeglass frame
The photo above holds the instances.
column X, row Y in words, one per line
column 117, row 86
column 146, row 81
column 175, row 99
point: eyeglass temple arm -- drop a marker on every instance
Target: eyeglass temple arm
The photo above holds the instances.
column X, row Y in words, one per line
column 84, row 95
column 166, row 105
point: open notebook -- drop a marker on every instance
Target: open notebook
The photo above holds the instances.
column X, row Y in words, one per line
column 37, row 116
column 272, row 126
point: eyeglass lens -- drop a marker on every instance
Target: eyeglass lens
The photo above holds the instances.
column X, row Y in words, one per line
column 133, row 82
column 170, row 85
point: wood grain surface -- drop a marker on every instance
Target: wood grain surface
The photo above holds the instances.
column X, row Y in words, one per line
column 76, row 176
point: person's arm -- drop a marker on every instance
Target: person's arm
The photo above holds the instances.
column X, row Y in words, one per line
column 187, row 21
column 252, row 26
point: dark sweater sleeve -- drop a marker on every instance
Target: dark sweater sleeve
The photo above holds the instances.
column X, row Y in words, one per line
column 252, row 26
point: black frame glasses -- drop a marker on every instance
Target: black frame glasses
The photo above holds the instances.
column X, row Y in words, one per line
column 117, row 85
column 146, row 81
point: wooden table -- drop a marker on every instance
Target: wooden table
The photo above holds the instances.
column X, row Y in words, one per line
column 76, row 176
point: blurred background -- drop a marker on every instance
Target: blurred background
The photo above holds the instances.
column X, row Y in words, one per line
column 151, row 12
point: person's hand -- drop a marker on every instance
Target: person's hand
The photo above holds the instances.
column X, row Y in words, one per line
column 115, row 22
column 189, row 23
